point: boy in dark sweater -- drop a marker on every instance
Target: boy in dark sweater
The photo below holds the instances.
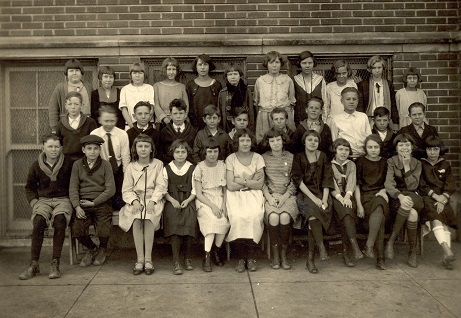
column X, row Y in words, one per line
column 91, row 188
column 75, row 126
column 142, row 116
column 47, row 190
column 381, row 120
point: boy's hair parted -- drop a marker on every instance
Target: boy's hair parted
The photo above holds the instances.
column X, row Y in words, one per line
column 141, row 104
column 304, row 55
column 73, row 64
column 179, row 143
column 416, row 105
column 311, row 132
column 74, row 94
column 272, row 56
column 105, row 70
column 404, row 137
column 142, row 138
column 436, row 141
column 349, row 90
column 279, row 110
column 375, row 138
column 205, row 58
column 211, row 110
column 107, row 109
column 340, row 142
column 315, row 99
column 179, row 104
column 51, row 136
column 381, row 111
column 341, row 63
column 411, row 71
column 274, row 133
column 240, row 133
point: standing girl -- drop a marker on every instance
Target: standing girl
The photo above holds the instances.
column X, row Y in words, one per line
column 402, row 181
column 313, row 176
column 235, row 94
column 273, row 90
column 245, row 201
column 371, row 196
column 408, row 95
column 167, row 90
column 203, row 90
column 134, row 92
column 344, row 175
column 180, row 216
column 437, row 184
column 210, row 188
column 279, row 192
column 333, row 106
column 143, row 190
column 307, row 85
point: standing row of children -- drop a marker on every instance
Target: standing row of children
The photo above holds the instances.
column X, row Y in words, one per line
column 115, row 152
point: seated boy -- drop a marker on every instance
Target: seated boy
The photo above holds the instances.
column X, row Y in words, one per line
column 240, row 120
column 313, row 121
column 47, row 190
column 279, row 117
column 351, row 125
column 381, row 118
column 418, row 129
column 75, row 126
column 90, row 190
column 211, row 117
column 142, row 116
column 116, row 149
column 177, row 128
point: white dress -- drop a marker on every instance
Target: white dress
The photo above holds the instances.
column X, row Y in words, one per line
column 245, row 208
column 212, row 179
column 144, row 185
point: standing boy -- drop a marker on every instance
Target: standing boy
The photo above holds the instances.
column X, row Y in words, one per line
column 142, row 116
column 351, row 125
column 90, row 190
column 381, row 118
column 47, row 190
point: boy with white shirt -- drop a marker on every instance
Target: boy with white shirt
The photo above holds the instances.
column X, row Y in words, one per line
column 142, row 116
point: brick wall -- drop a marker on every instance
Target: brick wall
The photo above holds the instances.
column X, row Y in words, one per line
column 130, row 17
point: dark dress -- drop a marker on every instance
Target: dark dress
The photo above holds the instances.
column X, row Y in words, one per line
column 316, row 176
column 99, row 98
column 296, row 141
column 438, row 178
column 199, row 98
column 179, row 221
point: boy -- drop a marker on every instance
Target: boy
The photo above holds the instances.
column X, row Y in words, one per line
column 381, row 128
column 91, row 187
column 177, row 128
column 239, row 119
column 116, row 149
column 47, row 190
column 279, row 117
column 377, row 91
column 418, row 129
column 142, row 116
column 351, row 125
column 211, row 117
column 75, row 126
column 313, row 121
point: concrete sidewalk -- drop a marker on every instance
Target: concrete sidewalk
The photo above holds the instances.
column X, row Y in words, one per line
column 336, row 291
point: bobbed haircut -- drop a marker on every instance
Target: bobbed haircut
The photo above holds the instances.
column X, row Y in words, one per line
column 381, row 111
column 403, row 137
column 73, row 64
column 233, row 67
column 105, row 70
column 179, row 104
column 375, row 138
column 272, row 56
column 436, row 141
column 138, row 67
column 304, row 55
column 375, row 59
column 411, row 71
column 74, row 94
column 340, row 142
column 341, row 63
column 210, row 143
column 416, row 105
column 315, row 99
column 241, row 133
column 205, row 58
column 179, row 143
column 274, row 133
column 311, row 132
column 142, row 138
column 142, row 103
column 54, row 137
column 171, row 61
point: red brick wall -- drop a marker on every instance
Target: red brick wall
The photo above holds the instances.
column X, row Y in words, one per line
column 124, row 17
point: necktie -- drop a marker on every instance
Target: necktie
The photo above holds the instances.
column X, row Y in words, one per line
column 420, row 131
column 112, row 159
column 377, row 87
column 179, row 130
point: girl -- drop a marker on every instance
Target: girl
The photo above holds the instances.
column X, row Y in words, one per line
column 313, row 176
column 402, row 181
column 436, row 185
column 344, row 175
column 180, row 216
column 333, row 106
column 143, row 190
column 106, row 95
column 408, row 95
column 210, row 187
column 134, row 92
column 167, row 90
column 279, row 192
column 235, row 94
column 245, row 202
column 371, row 197
column 307, row 85
column 239, row 120
column 203, row 90
column 273, row 90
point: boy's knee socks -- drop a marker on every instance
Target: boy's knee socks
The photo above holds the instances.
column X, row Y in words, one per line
column 38, row 232
column 285, row 232
column 59, row 225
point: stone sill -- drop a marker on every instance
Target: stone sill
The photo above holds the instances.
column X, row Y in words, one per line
column 220, row 40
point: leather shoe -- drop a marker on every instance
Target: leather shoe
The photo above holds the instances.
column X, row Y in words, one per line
column 347, row 261
column 31, row 271
column 251, row 265
column 177, row 270
column 138, row 268
column 412, row 259
column 188, row 264
column 240, row 268
column 380, row 264
column 310, row 265
column 89, row 258
column 148, row 268
column 54, row 269
column 100, row 257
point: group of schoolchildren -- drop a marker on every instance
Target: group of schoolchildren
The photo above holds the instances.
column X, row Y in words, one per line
column 296, row 153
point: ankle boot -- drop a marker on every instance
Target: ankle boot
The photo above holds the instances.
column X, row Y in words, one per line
column 347, row 260
column 31, row 271
column 389, row 251
column 275, row 264
column 412, row 256
column 285, row 264
column 323, row 252
column 310, row 265
column 355, row 247
column 54, row 269
column 216, row 257
column 206, row 264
